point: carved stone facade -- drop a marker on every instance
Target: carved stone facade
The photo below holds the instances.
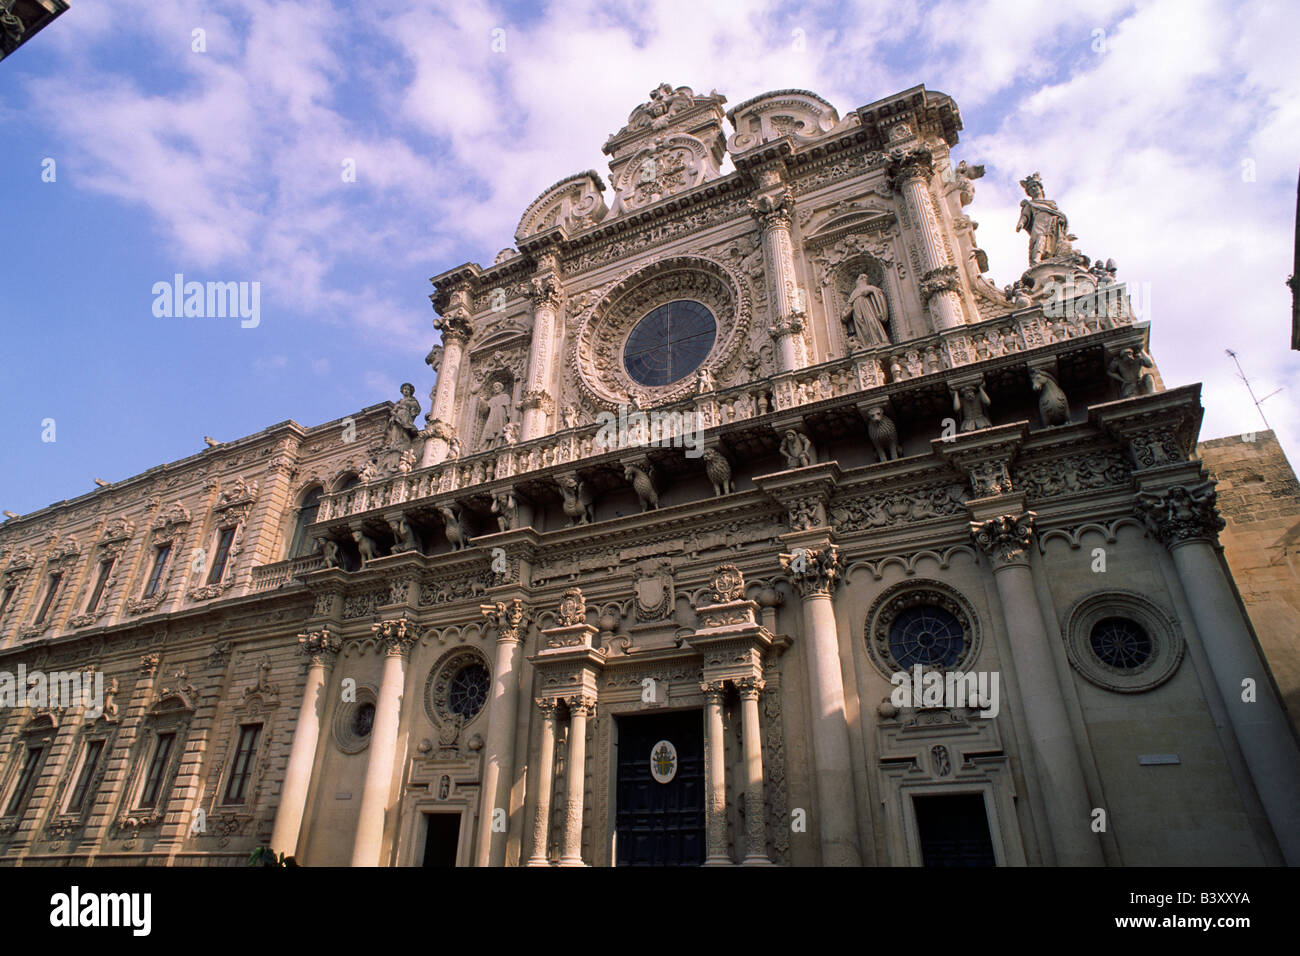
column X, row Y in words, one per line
column 480, row 633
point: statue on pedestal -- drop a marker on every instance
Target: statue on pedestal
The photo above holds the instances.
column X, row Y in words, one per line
column 867, row 313
column 1049, row 235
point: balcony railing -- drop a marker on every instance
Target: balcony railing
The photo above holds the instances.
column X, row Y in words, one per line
column 268, row 577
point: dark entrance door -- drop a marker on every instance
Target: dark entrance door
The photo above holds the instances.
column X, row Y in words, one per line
column 954, row 830
column 441, row 839
column 660, row 824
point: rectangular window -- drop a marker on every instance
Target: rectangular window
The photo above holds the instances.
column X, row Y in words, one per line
column 153, row 782
column 26, row 777
column 7, row 597
column 242, row 769
column 105, row 569
column 89, row 764
column 51, row 589
column 159, row 566
column 954, row 830
column 223, row 552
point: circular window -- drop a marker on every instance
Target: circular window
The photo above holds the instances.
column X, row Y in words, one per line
column 669, row 343
column 926, row 635
column 1119, row 640
column 354, row 721
column 468, row 690
column 1120, row 643
column 457, row 688
column 926, row 624
column 363, row 720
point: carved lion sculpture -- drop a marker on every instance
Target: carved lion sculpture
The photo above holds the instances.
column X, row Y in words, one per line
column 718, row 469
column 883, row 434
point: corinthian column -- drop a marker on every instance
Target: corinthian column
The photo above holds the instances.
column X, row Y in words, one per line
column 715, row 777
column 396, row 636
column 543, row 782
column 546, row 293
column 579, row 709
column 510, row 621
column 455, row 329
column 910, row 173
column 1005, row 540
column 786, row 300
column 321, row 648
column 815, row 572
column 1186, row 521
column 755, row 830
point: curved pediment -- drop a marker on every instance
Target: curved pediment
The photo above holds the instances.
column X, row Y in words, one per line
column 865, row 215
column 576, row 203
column 798, row 114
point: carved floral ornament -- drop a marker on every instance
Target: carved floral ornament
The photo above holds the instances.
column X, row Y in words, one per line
column 597, row 361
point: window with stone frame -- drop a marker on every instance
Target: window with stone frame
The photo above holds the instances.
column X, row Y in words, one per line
column 225, row 536
column 162, row 554
column 300, row 543
column 52, row 583
column 156, row 755
column 26, row 760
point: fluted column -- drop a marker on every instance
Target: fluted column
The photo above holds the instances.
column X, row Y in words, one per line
column 1186, row 521
column 755, row 829
column 455, row 329
column 510, row 621
column 321, row 648
column 1005, row 540
column 545, row 291
column 815, row 572
column 579, row 709
column 396, row 636
column 715, row 777
column 788, row 301
column 544, row 781
column 910, row 172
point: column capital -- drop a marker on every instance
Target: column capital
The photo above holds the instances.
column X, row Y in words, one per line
column 1005, row 539
column 544, row 290
column 713, row 690
column 750, row 688
column 510, row 619
column 321, row 647
column 773, row 209
column 396, row 635
column 813, row 571
column 148, row 665
column 454, row 326
column 583, row 704
column 1181, row 513
column 906, row 165
column 538, row 398
column 942, row 279
column 547, row 705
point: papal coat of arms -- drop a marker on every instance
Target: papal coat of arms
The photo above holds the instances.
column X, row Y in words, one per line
column 663, row 761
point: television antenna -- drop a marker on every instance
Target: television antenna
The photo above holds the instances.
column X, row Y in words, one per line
column 1258, row 401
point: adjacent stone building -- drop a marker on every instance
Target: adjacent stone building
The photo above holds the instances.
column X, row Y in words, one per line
column 714, row 461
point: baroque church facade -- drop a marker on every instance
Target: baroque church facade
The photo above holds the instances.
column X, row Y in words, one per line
column 720, row 454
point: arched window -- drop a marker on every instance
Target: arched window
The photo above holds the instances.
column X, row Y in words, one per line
column 300, row 544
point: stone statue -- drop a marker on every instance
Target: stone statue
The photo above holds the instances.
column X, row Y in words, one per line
column 367, row 545
column 643, row 485
column 511, row 433
column 703, row 381
column 405, row 536
column 797, row 449
column 401, row 419
column 498, row 416
column 883, row 434
column 457, row 533
column 569, row 417
column 718, row 469
column 1053, row 406
column 867, row 313
column 1049, row 236
column 506, row 509
column 973, row 403
column 1126, row 368
column 579, row 501
column 330, row 549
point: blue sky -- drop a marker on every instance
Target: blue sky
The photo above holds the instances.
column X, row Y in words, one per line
column 1169, row 132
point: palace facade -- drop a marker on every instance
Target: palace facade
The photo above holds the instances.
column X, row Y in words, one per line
column 715, row 460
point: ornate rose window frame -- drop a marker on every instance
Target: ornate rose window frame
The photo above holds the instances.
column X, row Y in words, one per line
column 905, row 595
column 602, row 333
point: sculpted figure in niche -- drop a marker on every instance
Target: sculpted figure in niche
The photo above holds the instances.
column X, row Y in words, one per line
column 1049, row 236
column 798, row 450
column 498, row 416
column 973, row 403
column 401, row 419
column 867, row 314
column 1126, row 368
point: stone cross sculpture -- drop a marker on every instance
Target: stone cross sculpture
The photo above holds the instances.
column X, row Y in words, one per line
column 867, row 313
